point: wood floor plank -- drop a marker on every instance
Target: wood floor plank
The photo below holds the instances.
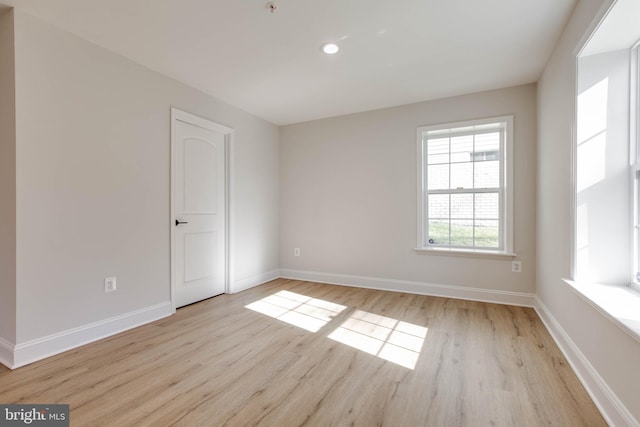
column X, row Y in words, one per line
column 294, row 353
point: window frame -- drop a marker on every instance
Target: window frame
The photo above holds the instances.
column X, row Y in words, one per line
column 505, row 190
column 634, row 160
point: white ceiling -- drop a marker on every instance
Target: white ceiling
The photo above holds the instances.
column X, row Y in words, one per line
column 392, row 52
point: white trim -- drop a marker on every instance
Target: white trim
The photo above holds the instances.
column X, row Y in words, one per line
column 172, row 214
column 420, row 173
column 6, row 352
column 466, row 253
column 634, row 103
column 509, row 185
column 611, row 408
column 229, row 198
column 254, row 280
column 634, row 118
column 183, row 116
column 420, row 288
column 229, row 137
column 41, row 348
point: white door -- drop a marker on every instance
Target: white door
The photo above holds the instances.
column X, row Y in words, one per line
column 198, row 208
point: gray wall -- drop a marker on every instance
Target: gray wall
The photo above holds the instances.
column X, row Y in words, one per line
column 612, row 352
column 7, row 179
column 349, row 193
column 93, row 176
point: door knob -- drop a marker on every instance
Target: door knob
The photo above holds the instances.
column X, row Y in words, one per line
column 178, row 222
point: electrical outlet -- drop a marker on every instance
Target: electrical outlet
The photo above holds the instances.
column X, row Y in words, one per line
column 296, row 251
column 516, row 266
column 110, row 284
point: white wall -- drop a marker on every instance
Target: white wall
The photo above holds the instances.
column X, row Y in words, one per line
column 93, row 181
column 613, row 354
column 602, row 163
column 7, row 180
column 349, row 185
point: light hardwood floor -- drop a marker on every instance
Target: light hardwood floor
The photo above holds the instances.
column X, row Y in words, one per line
column 419, row 361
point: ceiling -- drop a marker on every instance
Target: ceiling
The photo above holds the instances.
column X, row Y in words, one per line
column 269, row 64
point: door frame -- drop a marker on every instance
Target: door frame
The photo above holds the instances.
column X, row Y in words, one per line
column 183, row 116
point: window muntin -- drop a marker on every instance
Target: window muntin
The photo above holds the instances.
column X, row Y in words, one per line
column 464, row 200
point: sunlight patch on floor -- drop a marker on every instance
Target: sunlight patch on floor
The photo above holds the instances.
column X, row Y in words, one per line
column 302, row 311
column 389, row 339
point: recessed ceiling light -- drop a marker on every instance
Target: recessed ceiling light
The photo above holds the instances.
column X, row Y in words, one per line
column 330, row 48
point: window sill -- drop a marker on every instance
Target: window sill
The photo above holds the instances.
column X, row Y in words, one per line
column 620, row 304
column 466, row 253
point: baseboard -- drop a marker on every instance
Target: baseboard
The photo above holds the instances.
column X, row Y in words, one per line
column 41, row 348
column 6, row 352
column 611, row 408
column 255, row 280
column 421, row 288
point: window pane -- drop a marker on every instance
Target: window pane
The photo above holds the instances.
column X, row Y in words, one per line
column 487, row 146
column 461, row 148
column 487, row 174
column 438, row 177
column 438, row 232
column 462, row 206
column 487, row 234
column 461, row 233
column 438, row 206
column 461, row 175
column 438, row 151
column 487, row 206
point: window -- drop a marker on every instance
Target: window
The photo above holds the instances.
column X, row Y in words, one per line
column 465, row 201
column 606, row 167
